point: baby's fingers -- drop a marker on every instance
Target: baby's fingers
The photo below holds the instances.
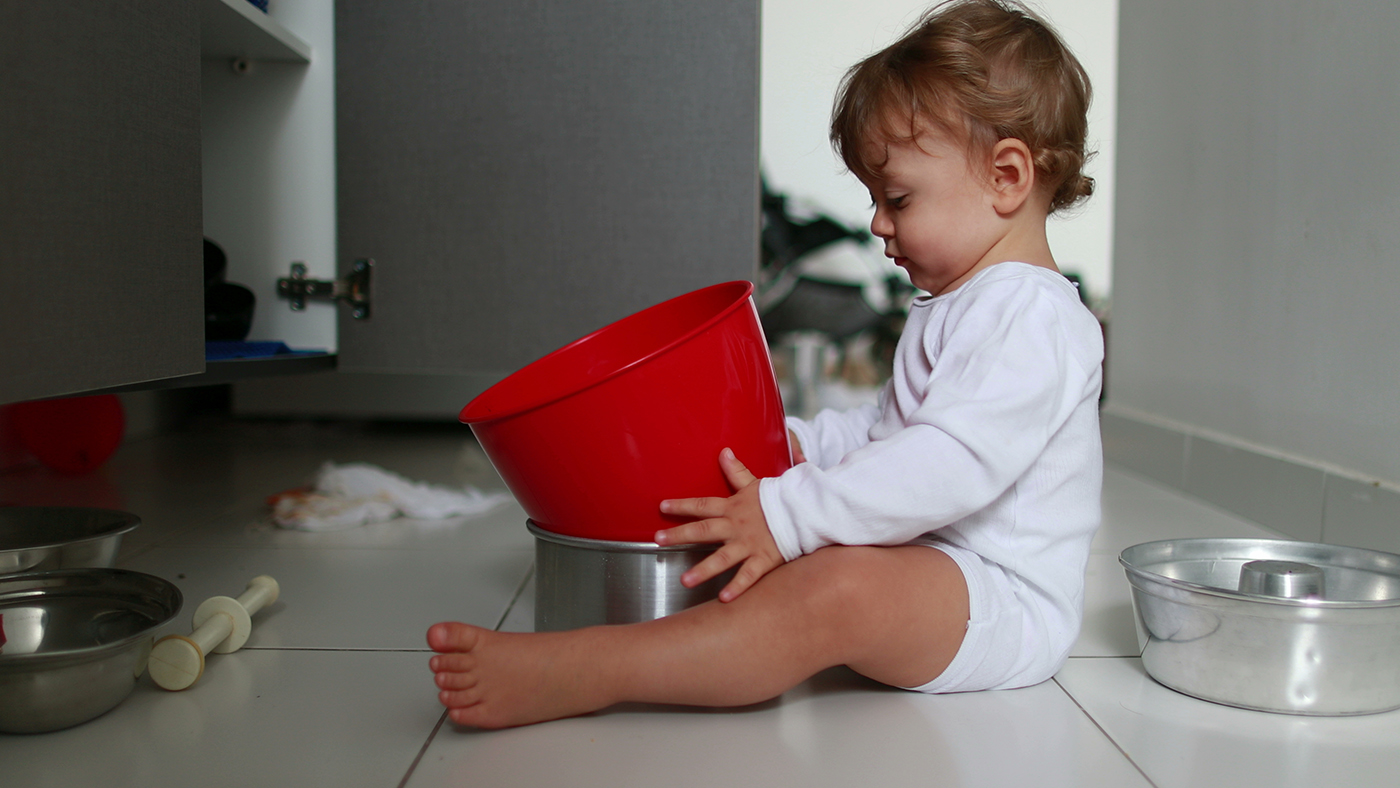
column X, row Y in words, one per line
column 735, row 472
column 697, row 532
column 715, row 564
column 753, row 569
column 693, row 507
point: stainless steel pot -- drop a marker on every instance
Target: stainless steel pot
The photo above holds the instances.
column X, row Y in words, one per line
column 74, row 642
column 1272, row 625
column 584, row 582
column 34, row 538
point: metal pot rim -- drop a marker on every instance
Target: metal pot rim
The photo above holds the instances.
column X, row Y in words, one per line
column 121, row 523
column 1130, row 558
column 13, row 588
column 605, row 545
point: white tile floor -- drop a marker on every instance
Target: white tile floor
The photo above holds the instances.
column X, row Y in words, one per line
column 333, row 687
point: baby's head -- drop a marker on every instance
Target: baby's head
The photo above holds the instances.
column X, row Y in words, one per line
column 978, row 71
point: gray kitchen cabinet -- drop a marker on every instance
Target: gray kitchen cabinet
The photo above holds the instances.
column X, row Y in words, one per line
column 103, row 183
column 520, row 172
column 100, row 282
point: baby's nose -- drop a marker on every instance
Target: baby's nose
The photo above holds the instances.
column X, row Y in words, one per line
column 881, row 226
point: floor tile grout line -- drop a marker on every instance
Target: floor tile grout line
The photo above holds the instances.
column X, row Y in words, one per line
column 423, row 750
column 1105, row 733
column 363, row 649
column 519, row 592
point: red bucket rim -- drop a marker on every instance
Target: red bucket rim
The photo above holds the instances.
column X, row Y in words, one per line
column 739, row 300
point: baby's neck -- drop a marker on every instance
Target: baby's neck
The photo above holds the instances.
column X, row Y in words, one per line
column 1024, row 242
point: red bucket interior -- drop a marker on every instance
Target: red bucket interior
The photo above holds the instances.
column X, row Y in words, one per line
column 607, row 352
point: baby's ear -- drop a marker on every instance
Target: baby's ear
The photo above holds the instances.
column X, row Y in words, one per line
column 1013, row 175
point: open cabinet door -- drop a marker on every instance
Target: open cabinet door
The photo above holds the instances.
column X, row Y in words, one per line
column 522, row 173
column 101, row 281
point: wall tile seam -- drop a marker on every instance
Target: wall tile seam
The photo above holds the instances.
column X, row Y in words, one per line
column 1335, row 491
column 1257, row 502
column 1189, row 431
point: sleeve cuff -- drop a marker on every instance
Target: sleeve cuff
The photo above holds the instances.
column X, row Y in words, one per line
column 779, row 525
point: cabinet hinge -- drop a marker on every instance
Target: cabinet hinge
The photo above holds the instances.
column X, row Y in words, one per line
column 353, row 289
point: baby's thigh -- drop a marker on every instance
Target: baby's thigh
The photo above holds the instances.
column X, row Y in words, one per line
column 901, row 610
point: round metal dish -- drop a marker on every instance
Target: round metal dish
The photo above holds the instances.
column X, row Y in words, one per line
column 1331, row 650
column 74, row 641
column 585, row 582
column 35, row 538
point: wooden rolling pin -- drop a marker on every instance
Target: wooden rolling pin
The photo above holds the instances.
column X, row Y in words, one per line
column 221, row 626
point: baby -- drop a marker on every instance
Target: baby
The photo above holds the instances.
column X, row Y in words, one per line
column 936, row 542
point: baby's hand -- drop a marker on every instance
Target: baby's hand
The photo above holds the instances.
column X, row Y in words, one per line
column 797, row 455
column 737, row 521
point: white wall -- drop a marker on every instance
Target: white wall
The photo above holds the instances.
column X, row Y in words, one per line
column 1257, row 278
column 809, row 44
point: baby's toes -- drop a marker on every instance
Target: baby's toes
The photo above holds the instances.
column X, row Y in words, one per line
column 456, row 681
column 467, row 715
column 458, row 699
column 451, row 636
column 453, row 663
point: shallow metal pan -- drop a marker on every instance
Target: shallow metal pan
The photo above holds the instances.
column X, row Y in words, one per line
column 1333, row 649
column 74, row 641
column 35, row 538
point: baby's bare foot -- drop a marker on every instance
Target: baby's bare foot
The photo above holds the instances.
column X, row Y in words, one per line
column 497, row 680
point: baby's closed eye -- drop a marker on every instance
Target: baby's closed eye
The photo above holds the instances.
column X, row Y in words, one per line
column 892, row 202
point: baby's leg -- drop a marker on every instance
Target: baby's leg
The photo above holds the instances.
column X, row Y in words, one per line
column 895, row 614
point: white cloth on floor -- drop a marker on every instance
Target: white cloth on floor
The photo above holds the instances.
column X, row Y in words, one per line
column 345, row 496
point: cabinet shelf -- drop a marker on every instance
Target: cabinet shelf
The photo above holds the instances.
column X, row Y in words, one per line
column 235, row 28
column 233, row 370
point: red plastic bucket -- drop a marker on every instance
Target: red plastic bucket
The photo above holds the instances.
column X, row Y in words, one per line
column 592, row 437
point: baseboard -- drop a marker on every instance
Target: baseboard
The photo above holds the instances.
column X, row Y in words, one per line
column 1288, row 495
column 347, row 395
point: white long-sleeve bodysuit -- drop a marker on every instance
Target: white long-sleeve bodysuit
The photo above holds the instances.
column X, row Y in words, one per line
column 985, row 444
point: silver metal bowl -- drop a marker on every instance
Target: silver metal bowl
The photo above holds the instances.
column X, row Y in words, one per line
column 74, row 642
column 585, row 582
column 1272, row 625
column 35, row 538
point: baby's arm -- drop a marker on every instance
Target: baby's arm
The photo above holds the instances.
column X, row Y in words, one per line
column 737, row 521
column 833, row 434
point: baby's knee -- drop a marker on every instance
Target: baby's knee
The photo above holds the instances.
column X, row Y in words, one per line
column 848, row 576
column 839, row 572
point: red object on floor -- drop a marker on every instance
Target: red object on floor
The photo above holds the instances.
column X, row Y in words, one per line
column 12, row 455
column 73, row 435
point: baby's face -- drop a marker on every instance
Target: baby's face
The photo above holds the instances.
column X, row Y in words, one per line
column 934, row 210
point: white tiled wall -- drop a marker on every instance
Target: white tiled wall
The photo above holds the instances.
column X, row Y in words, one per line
column 1288, row 496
